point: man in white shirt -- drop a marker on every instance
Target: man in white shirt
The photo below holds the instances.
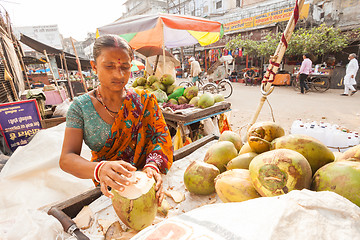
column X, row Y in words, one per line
column 195, row 69
column 349, row 79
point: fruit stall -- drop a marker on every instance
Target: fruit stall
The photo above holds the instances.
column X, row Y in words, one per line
column 295, row 178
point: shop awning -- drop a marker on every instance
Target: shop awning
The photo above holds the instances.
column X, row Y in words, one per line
column 70, row 58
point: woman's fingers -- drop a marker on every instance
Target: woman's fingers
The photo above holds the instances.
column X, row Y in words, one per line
column 123, row 168
column 105, row 190
column 114, row 175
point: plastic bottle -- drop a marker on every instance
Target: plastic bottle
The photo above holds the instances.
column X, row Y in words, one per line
column 310, row 130
column 295, row 127
column 319, row 134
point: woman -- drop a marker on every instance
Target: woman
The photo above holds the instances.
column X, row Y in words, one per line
column 123, row 127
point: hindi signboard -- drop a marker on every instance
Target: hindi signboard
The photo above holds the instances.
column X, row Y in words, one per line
column 265, row 19
column 19, row 121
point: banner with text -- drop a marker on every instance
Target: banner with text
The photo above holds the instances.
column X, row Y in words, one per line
column 266, row 19
column 18, row 122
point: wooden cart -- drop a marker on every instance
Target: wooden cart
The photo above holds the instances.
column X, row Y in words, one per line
column 67, row 210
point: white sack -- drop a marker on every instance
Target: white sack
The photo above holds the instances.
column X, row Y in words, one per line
column 297, row 215
column 32, row 179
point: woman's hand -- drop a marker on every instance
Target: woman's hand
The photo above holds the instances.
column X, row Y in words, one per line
column 151, row 172
column 110, row 175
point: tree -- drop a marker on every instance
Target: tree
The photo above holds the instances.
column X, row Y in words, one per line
column 317, row 41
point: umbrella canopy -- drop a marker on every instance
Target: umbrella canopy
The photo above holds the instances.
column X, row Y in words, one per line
column 169, row 30
column 137, row 65
column 149, row 51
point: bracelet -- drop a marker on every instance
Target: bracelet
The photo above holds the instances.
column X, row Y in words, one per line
column 96, row 170
column 152, row 166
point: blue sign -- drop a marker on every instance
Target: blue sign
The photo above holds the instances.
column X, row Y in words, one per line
column 19, row 121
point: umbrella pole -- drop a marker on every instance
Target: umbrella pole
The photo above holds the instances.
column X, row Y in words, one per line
column 156, row 63
column 52, row 73
column 164, row 58
column 266, row 85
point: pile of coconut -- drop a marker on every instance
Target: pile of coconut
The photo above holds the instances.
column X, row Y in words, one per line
column 166, row 91
column 270, row 164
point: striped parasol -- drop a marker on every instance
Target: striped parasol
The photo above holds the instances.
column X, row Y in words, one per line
column 164, row 30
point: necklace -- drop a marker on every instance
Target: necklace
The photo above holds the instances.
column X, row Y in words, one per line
column 101, row 101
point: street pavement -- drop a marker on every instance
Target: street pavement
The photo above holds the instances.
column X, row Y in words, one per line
column 288, row 105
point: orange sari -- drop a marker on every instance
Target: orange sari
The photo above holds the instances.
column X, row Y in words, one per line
column 139, row 134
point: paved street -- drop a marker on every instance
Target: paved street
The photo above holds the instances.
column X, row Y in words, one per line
column 288, row 106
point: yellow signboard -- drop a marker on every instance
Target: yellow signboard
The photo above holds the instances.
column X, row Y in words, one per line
column 240, row 24
column 266, row 18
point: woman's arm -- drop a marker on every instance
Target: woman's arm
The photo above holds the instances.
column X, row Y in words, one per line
column 110, row 174
column 70, row 159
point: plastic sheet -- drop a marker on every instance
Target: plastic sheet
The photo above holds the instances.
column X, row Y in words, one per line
column 32, row 179
column 296, row 215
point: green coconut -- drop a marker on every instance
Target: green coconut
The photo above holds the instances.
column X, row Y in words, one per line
column 220, row 153
column 241, row 162
column 182, row 100
column 173, row 101
column 134, row 84
column 136, row 206
column 352, row 154
column 206, row 100
column 312, row 149
column 167, row 79
column 279, row 171
column 199, row 177
column 260, row 135
column 170, row 89
column 341, row 177
column 219, row 98
column 191, row 92
column 235, row 186
column 141, row 81
column 232, row 137
column 194, row 101
column 151, row 79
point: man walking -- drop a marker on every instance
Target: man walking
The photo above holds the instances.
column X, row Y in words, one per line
column 195, row 69
column 304, row 72
column 349, row 79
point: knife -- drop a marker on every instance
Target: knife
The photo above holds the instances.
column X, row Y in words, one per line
column 67, row 223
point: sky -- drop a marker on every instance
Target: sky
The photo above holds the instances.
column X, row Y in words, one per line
column 74, row 18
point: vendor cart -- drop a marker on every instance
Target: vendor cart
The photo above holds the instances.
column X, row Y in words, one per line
column 67, row 210
column 192, row 116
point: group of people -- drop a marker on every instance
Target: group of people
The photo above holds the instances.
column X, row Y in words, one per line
column 349, row 78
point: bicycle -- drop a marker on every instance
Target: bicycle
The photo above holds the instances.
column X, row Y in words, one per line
column 224, row 87
column 319, row 83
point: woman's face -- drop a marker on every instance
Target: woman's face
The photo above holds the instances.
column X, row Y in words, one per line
column 113, row 68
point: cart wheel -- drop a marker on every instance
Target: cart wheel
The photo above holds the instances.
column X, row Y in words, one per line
column 210, row 88
column 321, row 84
column 225, row 88
column 185, row 84
column 295, row 83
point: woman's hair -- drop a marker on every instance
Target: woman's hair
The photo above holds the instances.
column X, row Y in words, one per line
column 353, row 55
column 110, row 41
column 307, row 55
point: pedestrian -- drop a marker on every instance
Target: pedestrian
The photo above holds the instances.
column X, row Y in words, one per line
column 195, row 70
column 124, row 128
column 304, row 72
column 349, row 79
